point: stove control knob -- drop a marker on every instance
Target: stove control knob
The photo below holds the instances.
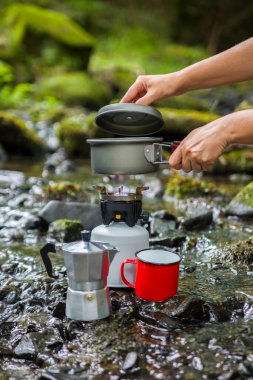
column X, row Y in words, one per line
column 145, row 216
column 86, row 234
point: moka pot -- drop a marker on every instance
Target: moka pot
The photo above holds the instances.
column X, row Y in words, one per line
column 87, row 265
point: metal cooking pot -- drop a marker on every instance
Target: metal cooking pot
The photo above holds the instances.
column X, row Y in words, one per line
column 128, row 155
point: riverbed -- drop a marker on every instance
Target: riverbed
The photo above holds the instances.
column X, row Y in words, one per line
column 205, row 332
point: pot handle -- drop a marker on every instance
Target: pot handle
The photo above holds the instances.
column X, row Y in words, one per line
column 48, row 248
column 153, row 152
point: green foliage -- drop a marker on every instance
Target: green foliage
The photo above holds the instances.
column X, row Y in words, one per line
column 75, row 88
column 182, row 187
column 6, row 73
column 20, row 17
column 245, row 196
column 138, row 51
column 65, row 191
column 17, row 138
column 15, row 96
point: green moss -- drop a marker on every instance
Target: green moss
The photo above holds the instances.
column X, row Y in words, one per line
column 73, row 131
column 241, row 252
column 65, row 230
column 192, row 101
column 75, row 88
column 236, row 161
column 181, row 122
column 181, row 187
column 17, row 138
column 245, row 196
column 65, row 191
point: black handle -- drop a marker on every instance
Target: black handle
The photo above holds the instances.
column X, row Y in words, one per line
column 49, row 247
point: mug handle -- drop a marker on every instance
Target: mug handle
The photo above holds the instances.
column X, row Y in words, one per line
column 127, row 261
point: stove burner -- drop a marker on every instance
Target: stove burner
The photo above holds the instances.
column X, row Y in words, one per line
column 121, row 206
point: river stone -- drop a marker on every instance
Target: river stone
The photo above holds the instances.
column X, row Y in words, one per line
column 242, row 204
column 11, row 177
column 26, row 348
column 174, row 239
column 199, row 221
column 89, row 215
column 65, row 230
column 191, row 309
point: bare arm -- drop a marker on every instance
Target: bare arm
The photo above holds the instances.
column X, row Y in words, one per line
column 231, row 66
column 203, row 145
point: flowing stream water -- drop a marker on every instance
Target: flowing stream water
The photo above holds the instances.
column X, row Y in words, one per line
column 205, row 332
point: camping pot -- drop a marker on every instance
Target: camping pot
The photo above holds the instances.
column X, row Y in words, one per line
column 128, row 155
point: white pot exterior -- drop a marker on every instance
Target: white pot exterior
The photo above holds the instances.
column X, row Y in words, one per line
column 128, row 240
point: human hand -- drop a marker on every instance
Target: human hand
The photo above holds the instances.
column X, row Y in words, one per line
column 148, row 88
column 199, row 150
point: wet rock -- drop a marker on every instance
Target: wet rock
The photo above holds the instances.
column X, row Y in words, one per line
column 130, row 361
column 26, row 348
column 191, row 309
column 3, row 155
column 199, row 221
column 174, row 239
column 241, row 252
column 26, row 141
column 242, row 204
column 59, row 310
column 11, row 178
column 89, row 215
column 185, row 186
column 162, row 221
column 160, row 320
column 65, row 166
column 19, row 201
column 65, row 230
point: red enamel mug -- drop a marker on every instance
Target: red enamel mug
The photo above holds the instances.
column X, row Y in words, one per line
column 157, row 272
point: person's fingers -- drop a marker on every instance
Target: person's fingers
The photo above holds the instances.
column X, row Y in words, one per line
column 186, row 165
column 136, row 91
column 175, row 160
column 146, row 99
column 196, row 166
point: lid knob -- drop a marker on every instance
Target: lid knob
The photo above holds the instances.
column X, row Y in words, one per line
column 86, row 234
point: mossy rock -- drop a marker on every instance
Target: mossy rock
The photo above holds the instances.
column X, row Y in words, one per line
column 65, row 191
column 182, row 187
column 192, row 101
column 17, row 138
column 241, row 252
column 179, row 122
column 242, row 204
column 65, row 230
column 73, row 131
column 75, row 88
column 236, row 161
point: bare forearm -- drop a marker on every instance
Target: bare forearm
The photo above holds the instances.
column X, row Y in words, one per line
column 231, row 66
column 239, row 126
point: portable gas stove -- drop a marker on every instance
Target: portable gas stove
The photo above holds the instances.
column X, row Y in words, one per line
column 121, row 211
column 121, row 206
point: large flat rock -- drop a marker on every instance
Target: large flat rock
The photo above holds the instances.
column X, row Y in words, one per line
column 89, row 215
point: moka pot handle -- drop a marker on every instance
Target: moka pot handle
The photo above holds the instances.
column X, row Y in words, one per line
column 48, row 248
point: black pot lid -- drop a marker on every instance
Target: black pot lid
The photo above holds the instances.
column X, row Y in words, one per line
column 129, row 119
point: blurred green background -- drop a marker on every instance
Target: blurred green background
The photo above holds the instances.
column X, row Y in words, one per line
column 61, row 60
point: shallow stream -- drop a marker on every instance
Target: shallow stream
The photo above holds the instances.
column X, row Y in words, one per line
column 205, row 332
